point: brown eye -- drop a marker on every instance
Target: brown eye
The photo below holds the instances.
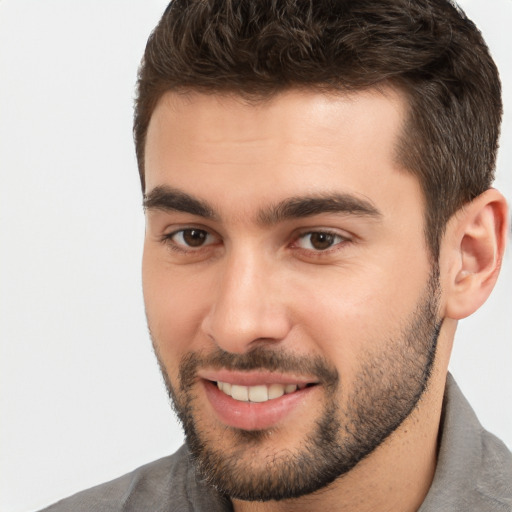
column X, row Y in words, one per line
column 319, row 240
column 194, row 237
column 191, row 238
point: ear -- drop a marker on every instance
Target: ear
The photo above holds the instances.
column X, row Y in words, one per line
column 475, row 243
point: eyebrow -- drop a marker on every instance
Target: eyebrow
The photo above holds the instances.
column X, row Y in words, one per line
column 171, row 199
column 308, row 206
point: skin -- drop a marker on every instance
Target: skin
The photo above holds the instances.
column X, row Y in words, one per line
column 258, row 283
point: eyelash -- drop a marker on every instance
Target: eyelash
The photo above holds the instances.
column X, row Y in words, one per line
column 336, row 246
column 184, row 249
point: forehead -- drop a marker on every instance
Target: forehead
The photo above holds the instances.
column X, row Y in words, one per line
column 230, row 152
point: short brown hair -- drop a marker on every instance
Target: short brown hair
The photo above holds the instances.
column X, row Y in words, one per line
column 429, row 49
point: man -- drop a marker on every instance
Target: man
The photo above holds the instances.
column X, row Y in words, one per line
column 319, row 215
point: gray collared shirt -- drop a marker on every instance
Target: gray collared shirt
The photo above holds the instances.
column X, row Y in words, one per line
column 474, row 473
column 474, row 468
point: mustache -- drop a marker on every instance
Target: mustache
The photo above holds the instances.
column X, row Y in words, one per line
column 259, row 358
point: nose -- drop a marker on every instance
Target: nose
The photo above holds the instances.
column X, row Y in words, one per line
column 248, row 305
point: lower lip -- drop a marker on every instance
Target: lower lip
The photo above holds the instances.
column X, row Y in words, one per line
column 251, row 415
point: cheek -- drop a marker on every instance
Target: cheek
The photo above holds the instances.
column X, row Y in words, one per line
column 174, row 308
column 356, row 311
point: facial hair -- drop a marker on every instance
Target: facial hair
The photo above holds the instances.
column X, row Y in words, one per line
column 387, row 388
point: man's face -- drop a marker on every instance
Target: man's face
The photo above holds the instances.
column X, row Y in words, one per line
column 288, row 288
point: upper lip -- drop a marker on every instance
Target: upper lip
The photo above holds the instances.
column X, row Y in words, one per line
column 254, row 377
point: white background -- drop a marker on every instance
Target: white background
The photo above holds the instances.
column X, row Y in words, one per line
column 81, row 398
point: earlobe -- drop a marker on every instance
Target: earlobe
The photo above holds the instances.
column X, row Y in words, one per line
column 477, row 235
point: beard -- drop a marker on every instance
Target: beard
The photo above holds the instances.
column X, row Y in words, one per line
column 387, row 388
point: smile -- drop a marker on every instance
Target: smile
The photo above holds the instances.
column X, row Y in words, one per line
column 255, row 400
column 260, row 393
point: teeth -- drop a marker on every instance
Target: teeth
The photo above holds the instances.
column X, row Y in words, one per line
column 240, row 393
column 275, row 391
column 257, row 394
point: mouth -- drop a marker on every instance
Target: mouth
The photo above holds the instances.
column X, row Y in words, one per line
column 257, row 401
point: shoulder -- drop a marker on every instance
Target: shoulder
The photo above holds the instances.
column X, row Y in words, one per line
column 484, row 461
column 166, row 484
column 495, row 475
column 474, row 468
